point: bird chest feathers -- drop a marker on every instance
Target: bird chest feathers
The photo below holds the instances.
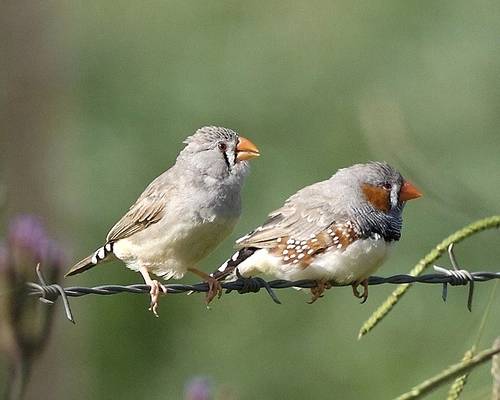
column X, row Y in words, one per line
column 168, row 248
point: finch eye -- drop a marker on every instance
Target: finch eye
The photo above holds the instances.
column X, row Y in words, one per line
column 222, row 146
column 387, row 186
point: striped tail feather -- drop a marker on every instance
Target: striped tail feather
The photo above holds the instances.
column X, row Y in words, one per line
column 228, row 269
column 100, row 255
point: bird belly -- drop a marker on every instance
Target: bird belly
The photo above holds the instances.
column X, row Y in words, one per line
column 168, row 250
column 260, row 262
column 358, row 261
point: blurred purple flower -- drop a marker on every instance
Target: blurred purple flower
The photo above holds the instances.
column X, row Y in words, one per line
column 28, row 233
column 198, row 388
column 28, row 241
column 25, row 326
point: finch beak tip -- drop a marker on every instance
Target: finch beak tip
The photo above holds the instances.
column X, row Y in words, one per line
column 409, row 192
column 246, row 150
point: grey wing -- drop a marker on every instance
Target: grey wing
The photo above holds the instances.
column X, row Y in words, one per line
column 303, row 215
column 149, row 208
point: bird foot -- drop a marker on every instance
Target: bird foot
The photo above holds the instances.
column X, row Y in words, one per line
column 156, row 287
column 214, row 289
column 214, row 286
column 363, row 295
column 318, row 290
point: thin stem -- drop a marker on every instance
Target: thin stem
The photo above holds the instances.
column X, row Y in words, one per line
column 433, row 255
column 486, row 314
column 458, row 385
column 449, row 373
column 19, row 373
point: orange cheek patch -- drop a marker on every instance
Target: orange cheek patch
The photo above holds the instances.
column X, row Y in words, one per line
column 377, row 196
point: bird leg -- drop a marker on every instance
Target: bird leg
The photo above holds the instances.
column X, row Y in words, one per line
column 214, row 286
column 318, row 290
column 154, row 291
column 364, row 294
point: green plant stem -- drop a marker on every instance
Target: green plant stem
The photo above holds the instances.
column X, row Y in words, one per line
column 458, row 386
column 449, row 373
column 18, row 379
column 433, row 255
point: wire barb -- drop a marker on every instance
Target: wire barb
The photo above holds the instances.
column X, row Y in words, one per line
column 49, row 293
column 253, row 285
column 458, row 277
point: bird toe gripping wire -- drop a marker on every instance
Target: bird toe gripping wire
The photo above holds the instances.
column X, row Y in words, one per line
column 457, row 277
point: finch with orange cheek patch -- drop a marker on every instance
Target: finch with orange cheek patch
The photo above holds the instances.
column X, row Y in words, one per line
column 337, row 230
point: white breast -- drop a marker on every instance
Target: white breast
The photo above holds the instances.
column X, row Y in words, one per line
column 357, row 262
column 169, row 249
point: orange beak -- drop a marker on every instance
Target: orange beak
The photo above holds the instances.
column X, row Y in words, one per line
column 246, row 150
column 408, row 192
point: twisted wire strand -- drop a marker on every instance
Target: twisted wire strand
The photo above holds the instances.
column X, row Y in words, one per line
column 49, row 293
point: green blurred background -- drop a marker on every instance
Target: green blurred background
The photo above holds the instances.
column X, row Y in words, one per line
column 98, row 96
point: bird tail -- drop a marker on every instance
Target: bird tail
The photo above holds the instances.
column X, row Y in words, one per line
column 227, row 271
column 102, row 254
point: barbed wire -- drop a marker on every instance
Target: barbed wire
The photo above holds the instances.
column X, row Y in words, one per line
column 49, row 293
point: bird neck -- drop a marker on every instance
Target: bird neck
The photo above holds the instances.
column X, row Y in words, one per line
column 370, row 222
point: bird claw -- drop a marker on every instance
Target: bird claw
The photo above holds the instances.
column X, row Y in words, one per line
column 318, row 290
column 357, row 294
column 214, row 289
column 155, row 294
column 214, row 286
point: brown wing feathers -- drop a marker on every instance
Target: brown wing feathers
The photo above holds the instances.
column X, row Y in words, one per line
column 145, row 212
column 148, row 209
column 302, row 252
column 337, row 236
